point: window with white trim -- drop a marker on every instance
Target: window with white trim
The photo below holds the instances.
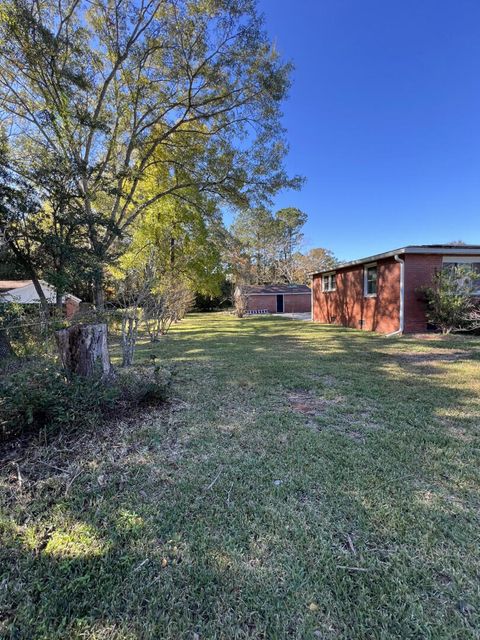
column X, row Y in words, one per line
column 329, row 282
column 370, row 283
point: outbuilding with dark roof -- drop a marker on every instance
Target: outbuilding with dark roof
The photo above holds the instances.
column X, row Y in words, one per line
column 276, row 298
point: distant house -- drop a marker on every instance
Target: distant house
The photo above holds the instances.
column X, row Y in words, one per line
column 277, row 298
column 24, row 292
column 381, row 292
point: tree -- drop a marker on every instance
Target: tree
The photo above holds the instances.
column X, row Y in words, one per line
column 121, row 90
column 318, row 259
column 266, row 248
column 187, row 239
column 450, row 298
column 134, row 284
column 40, row 224
column 19, row 210
column 289, row 222
column 240, row 302
column 258, row 233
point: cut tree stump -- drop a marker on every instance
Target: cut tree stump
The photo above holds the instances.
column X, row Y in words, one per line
column 84, row 350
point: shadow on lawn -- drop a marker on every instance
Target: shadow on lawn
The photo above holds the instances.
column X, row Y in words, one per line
column 152, row 552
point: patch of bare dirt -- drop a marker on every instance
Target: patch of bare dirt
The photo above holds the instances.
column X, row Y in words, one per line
column 355, row 425
column 309, row 404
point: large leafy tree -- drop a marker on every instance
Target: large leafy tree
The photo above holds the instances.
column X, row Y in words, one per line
column 185, row 240
column 317, row 259
column 185, row 91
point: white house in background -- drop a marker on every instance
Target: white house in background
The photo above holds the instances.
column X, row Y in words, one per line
column 24, row 292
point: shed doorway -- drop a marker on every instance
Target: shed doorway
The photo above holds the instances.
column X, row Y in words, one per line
column 280, row 303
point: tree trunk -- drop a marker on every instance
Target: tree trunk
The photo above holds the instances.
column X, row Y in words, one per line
column 99, row 295
column 6, row 350
column 172, row 252
column 59, row 302
column 45, row 309
column 129, row 338
column 84, row 350
column 27, row 263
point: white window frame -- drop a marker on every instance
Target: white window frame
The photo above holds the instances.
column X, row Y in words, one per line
column 366, row 267
column 462, row 260
column 332, row 282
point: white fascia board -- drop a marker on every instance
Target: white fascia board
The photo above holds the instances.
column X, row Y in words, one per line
column 446, row 251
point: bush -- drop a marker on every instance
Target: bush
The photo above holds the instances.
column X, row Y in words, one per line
column 143, row 385
column 40, row 395
column 450, row 298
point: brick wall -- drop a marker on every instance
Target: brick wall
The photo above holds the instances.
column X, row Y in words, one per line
column 262, row 302
column 298, row 303
column 419, row 269
column 349, row 307
column 292, row 303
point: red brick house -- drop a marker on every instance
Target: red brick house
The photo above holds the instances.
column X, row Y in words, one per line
column 380, row 293
column 277, row 298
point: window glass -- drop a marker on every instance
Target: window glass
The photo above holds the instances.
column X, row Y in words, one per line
column 329, row 282
column 371, row 281
column 474, row 266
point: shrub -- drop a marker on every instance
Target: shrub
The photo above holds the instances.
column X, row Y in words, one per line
column 166, row 304
column 450, row 298
column 40, row 395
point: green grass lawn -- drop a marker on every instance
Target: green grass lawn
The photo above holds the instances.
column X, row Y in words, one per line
column 304, row 481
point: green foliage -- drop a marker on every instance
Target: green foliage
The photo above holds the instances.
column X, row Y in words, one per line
column 183, row 239
column 269, row 248
column 211, row 303
column 40, row 395
column 450, row 299
column 119, row 112
column 27, row 331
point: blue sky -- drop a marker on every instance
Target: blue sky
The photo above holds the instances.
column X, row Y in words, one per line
column 383, row 120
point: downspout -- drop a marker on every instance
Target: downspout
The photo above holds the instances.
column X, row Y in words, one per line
column 401, row 262
column 311, row 298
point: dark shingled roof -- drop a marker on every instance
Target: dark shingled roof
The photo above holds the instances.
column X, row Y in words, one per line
column 250, row 289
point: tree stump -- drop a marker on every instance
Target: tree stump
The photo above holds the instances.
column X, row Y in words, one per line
column 84, row 350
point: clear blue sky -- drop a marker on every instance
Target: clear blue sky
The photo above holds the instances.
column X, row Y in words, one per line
column 383, row 119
